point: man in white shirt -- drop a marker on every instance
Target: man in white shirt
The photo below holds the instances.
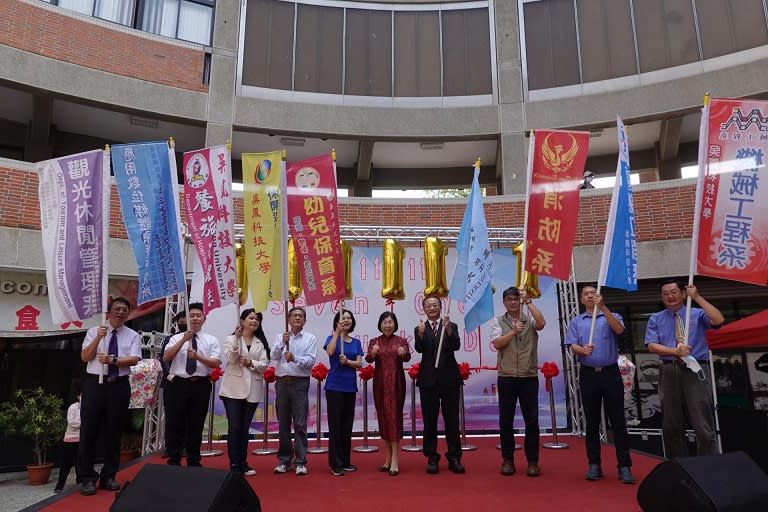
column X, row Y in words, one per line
column 109, row 350
column 192, row 355
column 294, row 353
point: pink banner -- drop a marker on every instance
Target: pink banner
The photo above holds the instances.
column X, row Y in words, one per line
column 313, row 222
column 733, row 230
column 208, row 201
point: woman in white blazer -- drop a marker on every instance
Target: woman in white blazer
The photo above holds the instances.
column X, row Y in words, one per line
column 242, row 387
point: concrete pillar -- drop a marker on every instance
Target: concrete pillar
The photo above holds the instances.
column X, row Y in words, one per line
column 221, row 93
column 37, row 146
column 512, row 154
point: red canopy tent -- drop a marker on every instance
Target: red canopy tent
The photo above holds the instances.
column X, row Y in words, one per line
column 751, row 331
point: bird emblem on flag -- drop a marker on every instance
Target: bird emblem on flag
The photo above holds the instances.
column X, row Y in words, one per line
column 555, row 159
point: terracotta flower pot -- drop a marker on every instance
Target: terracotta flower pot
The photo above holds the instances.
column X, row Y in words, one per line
column 39, row 474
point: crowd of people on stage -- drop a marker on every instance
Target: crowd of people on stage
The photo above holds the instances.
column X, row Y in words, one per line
column 190, row 355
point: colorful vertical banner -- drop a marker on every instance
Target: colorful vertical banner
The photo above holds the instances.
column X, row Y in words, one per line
column 146, row 182
column 265, row 220
column 733, row 218
column 618, row 266
column 208, row 203
column 74, row 216
column 313, row 222
column 556, row 170
column 473, row 287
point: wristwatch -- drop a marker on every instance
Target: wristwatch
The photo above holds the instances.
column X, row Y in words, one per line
column 114, row 361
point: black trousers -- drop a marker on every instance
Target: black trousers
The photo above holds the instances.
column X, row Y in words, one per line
column 600, row 388
column 67, row 459
column 341, row 415
column 103, row 409
column 527, row 390
column 185, row 418
column 433, row 398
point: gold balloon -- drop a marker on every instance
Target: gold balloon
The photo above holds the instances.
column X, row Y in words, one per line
column 392, row 270
column 530, row 282
column 434, row 267
column 241, row 272
column 346, row 254
column 294, row 278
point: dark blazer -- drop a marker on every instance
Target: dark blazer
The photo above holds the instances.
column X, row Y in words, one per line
column 447, row 372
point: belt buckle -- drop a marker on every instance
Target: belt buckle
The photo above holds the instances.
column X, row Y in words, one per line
column 598, row 369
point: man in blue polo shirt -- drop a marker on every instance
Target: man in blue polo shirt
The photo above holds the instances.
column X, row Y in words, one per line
column 600, row 380
column 685, row 394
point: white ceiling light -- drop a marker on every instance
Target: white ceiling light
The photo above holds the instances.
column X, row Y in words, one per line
column 292, row 141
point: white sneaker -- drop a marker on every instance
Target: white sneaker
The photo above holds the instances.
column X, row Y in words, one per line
column 281, row 468
column 301, row 469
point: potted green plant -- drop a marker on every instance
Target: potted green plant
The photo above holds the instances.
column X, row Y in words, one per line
column 38, row 416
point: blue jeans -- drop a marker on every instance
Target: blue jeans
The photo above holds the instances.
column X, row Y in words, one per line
column 527, row 390
column 292, row 404
column 239, row 417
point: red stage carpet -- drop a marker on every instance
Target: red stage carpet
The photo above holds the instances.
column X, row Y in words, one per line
column 560, row 487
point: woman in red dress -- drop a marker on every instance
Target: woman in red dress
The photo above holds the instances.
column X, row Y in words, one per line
column 389, row 352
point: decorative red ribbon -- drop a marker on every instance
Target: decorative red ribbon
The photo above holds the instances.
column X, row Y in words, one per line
column 216, row 374
column 319, row 371
column 550, row 370
column 413, row 371
column 269, row 375
column 366, row 373
column 464, row 370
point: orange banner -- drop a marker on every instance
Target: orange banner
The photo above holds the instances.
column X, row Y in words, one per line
column 313, row 221
column 556, row 171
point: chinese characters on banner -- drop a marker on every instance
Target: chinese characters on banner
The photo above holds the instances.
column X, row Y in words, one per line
column 74, row 212
column 146, row 182
column 733, row 232
column 553, row 209
column 264, row 214
column 208, row 202
column 313, row 222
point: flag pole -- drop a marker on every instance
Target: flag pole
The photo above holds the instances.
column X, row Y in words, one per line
column 703, row 136
column 283, row 238
column 442, row 334
column 104, row 289
column 228, row 145
column 528, row 178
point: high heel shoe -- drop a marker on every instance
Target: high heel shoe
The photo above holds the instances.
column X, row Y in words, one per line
column 384, row 468
column 394, row 472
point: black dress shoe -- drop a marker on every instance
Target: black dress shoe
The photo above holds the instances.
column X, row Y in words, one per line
column 456, row 467
column 394, row 472
column 432, row 467
column 384, row 468
column 88, row 489
column 110, row 485
column 625, row 475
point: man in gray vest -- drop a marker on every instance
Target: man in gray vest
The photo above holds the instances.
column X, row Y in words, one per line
column 515, row 336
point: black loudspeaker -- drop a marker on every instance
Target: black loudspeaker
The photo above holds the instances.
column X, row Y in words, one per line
column 715, row 483
column 163, row 487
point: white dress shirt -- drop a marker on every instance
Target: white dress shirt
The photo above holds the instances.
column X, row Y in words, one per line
column 303, row 346
column 207, row 346
column 128, row 344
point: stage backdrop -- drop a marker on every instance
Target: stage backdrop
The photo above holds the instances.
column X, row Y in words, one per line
column 480, row 390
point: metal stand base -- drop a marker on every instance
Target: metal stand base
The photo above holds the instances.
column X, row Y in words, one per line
column 211, row 453
column 517, row 446
column 318, row 449
column 411, row 447
column 365, row 448
column 468, row 447
column 555, row 446
column 264, row 451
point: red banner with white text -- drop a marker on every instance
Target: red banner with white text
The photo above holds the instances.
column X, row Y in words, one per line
column 553, row 208
column 733, row 229
column 313, row 221
column 208, row 201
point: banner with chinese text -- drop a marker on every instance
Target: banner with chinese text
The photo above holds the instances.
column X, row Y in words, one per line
column 313, row 222
column 265, row 224
column 733, row 229
column 208, row 203
column 146, row 182
column 74, row 217
column 556, row 171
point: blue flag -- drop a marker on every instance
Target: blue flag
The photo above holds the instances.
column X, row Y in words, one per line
column 618, row 266
column 148, row 193
column 472, row 277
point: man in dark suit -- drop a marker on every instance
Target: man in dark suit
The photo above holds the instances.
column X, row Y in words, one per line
column 439, row 387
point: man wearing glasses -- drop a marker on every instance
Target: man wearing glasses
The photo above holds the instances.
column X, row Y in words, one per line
column 109, row 350
column 685, row 394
